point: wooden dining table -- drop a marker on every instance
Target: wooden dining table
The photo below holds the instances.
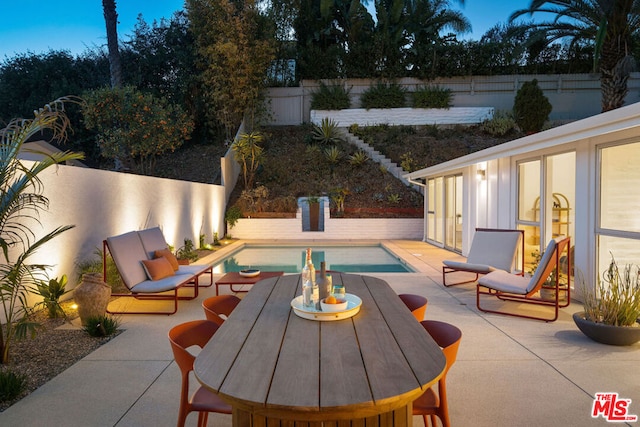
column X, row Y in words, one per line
column 273, row 366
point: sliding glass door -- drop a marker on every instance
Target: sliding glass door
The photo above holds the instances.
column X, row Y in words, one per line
column 453, row 213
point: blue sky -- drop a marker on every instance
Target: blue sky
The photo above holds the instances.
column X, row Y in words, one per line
column 75, row 25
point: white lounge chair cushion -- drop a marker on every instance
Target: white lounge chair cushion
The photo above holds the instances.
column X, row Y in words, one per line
column 476, row 268
column 503, row 281
column 494, row 248
column 152, row 241
column 162, row 285
column 127, row 252
column 192, row 269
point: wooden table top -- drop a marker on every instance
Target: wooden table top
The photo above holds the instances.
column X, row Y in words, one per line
column 268, row 361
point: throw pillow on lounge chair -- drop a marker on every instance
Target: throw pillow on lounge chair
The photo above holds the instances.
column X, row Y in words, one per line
column 157, row 268
column 166, row 253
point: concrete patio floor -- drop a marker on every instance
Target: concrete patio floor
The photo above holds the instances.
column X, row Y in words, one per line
column 509, row 371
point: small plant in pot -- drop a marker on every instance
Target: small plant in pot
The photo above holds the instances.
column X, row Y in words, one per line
column 612, row 309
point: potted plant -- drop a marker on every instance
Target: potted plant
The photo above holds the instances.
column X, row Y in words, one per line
column 548, row 290
column 612, row 309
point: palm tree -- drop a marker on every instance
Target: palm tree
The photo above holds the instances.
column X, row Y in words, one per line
column 111, row 20
column 21, row 201
column 608, row 24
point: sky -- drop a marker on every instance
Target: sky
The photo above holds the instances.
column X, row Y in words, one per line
column 37, row 26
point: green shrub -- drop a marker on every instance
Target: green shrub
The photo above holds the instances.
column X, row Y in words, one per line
column 333, row 154
column 531, row 108
column 330, row 97
column 383, row 95
column 11, row 385
column 431, row 97
column 234, row 213
column 51, row 291
column 94, row 265
column 101, row 326
column 499, row 125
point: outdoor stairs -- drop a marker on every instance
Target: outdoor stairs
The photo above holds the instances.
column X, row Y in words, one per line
column 377, row 157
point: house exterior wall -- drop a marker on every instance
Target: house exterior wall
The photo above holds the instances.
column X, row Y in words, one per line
column 494, row 202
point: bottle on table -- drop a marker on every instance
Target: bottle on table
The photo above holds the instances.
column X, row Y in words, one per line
column 324, row 281
column 308, row 282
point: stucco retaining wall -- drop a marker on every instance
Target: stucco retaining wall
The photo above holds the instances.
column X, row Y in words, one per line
column 404, row 116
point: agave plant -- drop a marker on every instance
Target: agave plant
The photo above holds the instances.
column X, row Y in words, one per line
column 327, row 132
column 21, row 202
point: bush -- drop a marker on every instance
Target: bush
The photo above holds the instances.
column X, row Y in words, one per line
column 431, row 97
column 383, row 95
column 101, row 326
column 531, row 108
column 330, row 97
column 11, row 385
column 499, row 125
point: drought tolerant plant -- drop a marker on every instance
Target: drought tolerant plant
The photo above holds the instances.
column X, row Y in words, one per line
column 248, row 153
column 95, row 265
column 616, row 300
column 21, row 203
column 330, row 97
column 500, row 124
column 51, row 291
column 431, row 97
column 233, row 214
column 11, row 385
column 101, row 326
column 187, row 251
column 358, row 158
column 326, row 133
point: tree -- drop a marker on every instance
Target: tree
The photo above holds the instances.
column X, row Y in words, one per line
column 135, row 127
column 111, row 21
column 427, row 20
column 609, row 25
column 235, row 49
column 21, row 202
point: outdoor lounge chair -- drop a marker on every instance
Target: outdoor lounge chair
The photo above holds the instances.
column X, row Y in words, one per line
column 128, row 254
column 153, row 241
column 491, row 249
column 509, row 287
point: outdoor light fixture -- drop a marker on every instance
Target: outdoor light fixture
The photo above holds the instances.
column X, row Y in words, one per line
column 481, row 174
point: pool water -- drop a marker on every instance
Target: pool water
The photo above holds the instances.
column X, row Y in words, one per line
column 290, row 259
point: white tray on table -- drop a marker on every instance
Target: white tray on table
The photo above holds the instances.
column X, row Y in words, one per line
column 353, row 307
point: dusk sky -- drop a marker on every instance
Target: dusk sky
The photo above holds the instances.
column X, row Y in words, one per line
column 75, row 25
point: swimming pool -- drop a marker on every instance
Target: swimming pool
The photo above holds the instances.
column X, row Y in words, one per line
column 290, row 259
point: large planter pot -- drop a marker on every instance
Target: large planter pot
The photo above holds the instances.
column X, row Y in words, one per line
column 607, row 334
column 92, row 296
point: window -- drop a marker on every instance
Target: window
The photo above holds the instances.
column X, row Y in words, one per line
column 619, row 205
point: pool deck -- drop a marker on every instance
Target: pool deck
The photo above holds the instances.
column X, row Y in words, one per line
column 509, row 371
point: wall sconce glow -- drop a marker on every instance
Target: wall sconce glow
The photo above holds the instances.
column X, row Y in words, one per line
column 481, row 174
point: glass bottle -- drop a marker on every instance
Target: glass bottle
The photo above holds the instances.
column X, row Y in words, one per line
column 308, row 282
column 324, row 285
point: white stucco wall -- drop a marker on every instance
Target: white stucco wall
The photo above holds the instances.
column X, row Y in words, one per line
column 404, row 116
column 103, row 203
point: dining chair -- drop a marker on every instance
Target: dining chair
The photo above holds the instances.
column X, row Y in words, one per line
column 416, row 303
column 181, row 337
column 220, row 305
column 429, row 403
